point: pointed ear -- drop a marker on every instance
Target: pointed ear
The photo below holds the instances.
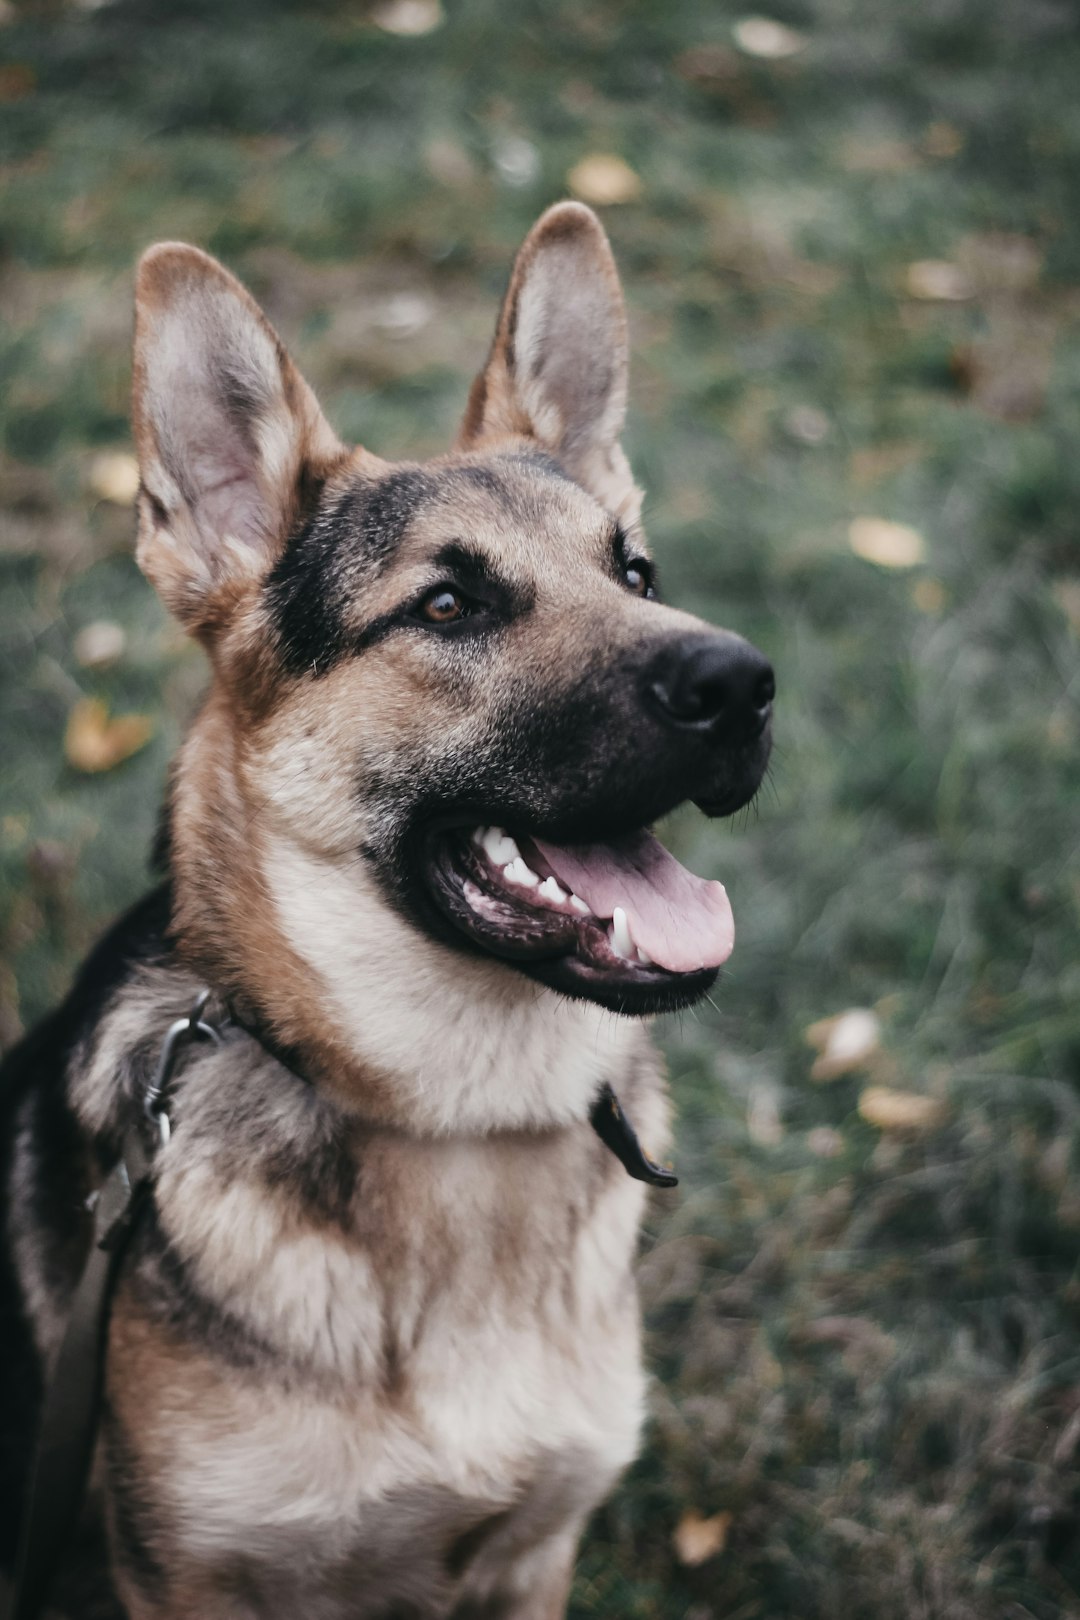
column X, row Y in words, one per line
column 227, row 431
column 557, row 369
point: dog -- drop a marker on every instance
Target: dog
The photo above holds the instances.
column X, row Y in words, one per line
column 374, row 1348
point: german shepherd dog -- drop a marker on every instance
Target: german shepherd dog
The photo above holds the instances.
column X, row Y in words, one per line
column 374, row 1350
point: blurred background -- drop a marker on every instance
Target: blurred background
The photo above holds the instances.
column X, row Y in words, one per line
column 850, row 236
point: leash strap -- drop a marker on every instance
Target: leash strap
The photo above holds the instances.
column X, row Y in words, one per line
column 69, row 1416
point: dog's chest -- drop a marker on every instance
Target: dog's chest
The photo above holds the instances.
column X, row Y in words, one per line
column 457, row 1367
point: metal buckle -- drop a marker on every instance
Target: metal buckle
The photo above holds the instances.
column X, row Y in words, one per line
column 185, row 1030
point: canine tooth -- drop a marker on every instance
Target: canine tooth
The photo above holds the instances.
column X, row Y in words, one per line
column 551, row 891
column 579, row 905
column 518, row 872
column 620, row 934
column 478, row 835
column 499, row 847
column 644, row 958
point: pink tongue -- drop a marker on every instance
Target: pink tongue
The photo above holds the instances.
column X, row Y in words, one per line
column 681, row 921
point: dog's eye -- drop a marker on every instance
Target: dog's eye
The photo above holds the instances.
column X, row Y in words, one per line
column 638, row 575
column 443, row 606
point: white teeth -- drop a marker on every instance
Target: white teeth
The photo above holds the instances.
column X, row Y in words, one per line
column 551, row 891
column 498, row 846
column 644, row 958
column 580, row 906
column 518, row 872
column 620, row 935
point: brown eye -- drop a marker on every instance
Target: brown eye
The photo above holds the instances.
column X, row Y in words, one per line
column 442, row 606
column 638, row 577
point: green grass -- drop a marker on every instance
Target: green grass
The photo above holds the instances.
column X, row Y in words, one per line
column 867, row 1344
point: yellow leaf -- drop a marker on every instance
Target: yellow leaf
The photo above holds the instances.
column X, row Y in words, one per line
column 767, row 38
column 901, row 1110
column 844, row 1043
column 890, row 545
column 93, row 742
column 604, row 179
column 114, row 476
column 696, row 1540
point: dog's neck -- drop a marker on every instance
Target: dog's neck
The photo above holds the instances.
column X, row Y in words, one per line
column 399, row 1027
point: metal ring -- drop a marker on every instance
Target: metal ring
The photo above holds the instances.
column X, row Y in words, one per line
column 193, row 1027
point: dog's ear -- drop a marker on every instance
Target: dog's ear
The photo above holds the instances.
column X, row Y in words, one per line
column 228, row 434
column 557, row 368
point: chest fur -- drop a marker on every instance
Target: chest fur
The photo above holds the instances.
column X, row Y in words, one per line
column 439, row 1334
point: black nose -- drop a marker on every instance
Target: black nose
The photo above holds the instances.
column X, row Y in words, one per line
column 716, row 683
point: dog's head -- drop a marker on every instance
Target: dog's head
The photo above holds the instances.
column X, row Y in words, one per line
column 459, row 676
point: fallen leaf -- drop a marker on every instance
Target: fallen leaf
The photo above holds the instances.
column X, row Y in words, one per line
column 765, row 37
column 93, row 742
column 891, row 1110
column 807, row 424
column 114, row 476
column 404, row 314
column 846, row 1042
column 890, row 545
column 696, row 1540
column 938, row 281
column 604, row 179
column 99, row 644
column 517, row 160
column 409, row 18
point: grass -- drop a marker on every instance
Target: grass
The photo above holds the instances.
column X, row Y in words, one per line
column 866, row 1340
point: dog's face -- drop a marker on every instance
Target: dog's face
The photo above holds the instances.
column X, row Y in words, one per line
column 458, row 674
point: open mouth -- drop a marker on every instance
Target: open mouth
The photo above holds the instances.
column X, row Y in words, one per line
column 621, row 923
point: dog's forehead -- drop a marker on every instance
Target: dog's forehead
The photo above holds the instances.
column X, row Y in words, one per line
column 519, row 509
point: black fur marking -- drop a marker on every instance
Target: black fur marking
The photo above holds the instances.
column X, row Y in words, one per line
column 324, row 1181
column 464, row 1548
column 326, row 560
column 33, row 1086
